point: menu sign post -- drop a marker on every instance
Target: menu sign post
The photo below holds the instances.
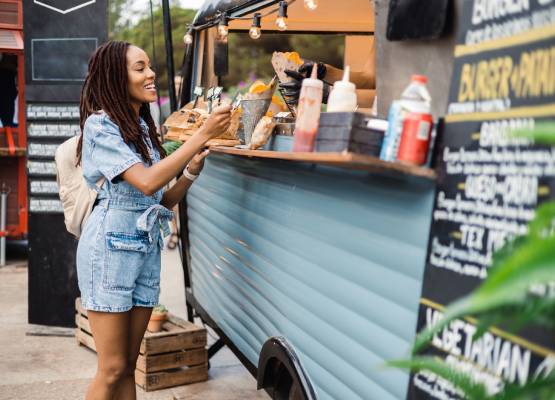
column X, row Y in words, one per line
column 489, row 185
column 60, row 36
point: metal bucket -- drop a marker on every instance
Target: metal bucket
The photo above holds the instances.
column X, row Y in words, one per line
column 253, row 111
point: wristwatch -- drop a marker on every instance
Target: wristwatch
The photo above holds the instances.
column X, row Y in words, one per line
column 188, row 175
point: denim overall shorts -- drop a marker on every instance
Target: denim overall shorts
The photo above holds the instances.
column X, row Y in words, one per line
column 118, row 256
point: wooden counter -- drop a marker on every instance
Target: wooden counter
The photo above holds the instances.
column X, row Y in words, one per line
column 341, row 160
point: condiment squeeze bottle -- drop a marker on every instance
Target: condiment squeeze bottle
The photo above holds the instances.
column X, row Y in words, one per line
column 308, row 113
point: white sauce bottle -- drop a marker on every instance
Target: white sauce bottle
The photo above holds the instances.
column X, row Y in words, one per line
column 343, row 97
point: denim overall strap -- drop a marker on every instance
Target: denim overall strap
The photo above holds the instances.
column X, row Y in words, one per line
column 154, row 217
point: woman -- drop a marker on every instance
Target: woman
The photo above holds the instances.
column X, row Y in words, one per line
column 118, row 257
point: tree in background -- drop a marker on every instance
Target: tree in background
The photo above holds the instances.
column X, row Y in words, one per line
column 123, row 27
column 248, row 59
column 251, row 59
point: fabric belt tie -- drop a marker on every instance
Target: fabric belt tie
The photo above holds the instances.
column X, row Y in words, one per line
column 155, row 217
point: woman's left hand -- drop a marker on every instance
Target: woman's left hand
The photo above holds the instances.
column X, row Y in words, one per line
column 197, row 163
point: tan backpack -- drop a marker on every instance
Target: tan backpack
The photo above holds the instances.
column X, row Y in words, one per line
column 76, row 196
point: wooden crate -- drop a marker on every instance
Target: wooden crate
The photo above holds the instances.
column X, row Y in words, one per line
column 175, row 356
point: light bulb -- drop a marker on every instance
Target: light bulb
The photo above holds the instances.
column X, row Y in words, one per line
column 281, row 23
column 223, row 30
column 311, row 4
column 255, row 32
column 188, row 38
column 281, row 20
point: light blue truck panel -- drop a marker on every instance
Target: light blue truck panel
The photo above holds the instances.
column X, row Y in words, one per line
column 329, row 258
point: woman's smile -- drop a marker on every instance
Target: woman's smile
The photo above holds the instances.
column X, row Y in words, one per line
column 141, row 86
column 150, row 87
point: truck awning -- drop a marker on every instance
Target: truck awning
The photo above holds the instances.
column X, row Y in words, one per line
column 211, row 9
column 330, row 16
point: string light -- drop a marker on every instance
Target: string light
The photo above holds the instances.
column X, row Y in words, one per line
column 223, row 26
column 188, row 38
column 281, row 20
column 255, row 32
column 311, row 4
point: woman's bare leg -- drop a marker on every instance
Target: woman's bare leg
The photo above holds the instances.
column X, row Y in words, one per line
column 111, row 337
column 138, row 322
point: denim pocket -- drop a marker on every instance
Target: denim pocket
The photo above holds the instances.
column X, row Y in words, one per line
column 125, row 256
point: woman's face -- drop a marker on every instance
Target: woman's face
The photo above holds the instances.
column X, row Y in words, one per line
column 140, row 78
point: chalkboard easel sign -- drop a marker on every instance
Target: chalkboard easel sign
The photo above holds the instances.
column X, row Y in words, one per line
column 61, row 59
column 489, row 185
column 60, row 37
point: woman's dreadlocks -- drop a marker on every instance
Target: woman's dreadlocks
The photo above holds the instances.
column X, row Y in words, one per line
column 105, row 88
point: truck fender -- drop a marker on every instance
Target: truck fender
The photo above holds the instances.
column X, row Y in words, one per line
column 279, row 366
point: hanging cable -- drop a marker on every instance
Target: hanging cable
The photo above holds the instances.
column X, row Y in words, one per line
column 230, row 18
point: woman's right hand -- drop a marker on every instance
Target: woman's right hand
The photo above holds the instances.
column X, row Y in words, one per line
column 218, row 122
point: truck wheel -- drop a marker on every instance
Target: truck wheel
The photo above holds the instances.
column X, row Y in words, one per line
column 281, row 373
column 296, row 393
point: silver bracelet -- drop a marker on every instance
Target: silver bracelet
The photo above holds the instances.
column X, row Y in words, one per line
column 188, row 175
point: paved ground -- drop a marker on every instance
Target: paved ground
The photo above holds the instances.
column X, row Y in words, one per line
column 56, row 368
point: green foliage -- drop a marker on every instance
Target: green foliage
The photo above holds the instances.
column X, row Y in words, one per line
column 140, row 34
column 171, row 146
column 461, row 380
column 525, row 262
column 248, row 59
column 325, row 48
column 159, row 309
column 538, row 389
column 543, row 132
column 516, row 293
column 251, row 59
column 115, row 11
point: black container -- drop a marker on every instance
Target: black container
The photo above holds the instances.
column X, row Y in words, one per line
column 350, row 131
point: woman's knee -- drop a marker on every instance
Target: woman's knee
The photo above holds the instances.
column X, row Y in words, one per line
column 114, row 371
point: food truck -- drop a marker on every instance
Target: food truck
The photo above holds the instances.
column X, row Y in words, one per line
column 309, row 266
column 313, row 267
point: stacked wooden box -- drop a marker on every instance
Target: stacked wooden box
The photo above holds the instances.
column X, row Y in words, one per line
column 175, row 356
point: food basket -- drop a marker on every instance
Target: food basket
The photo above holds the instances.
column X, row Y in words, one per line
column 253, row 111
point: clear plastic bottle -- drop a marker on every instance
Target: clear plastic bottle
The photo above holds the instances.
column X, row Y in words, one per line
column 414, row 99
column 308, row 113
column 343, row 97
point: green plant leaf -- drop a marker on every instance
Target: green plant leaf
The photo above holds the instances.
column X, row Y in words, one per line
column 537, row 389
column 543, row 132
column 171, row 146
column 543, row 224
column 471, row 389
column 509, row 282
column 532, row 261
column 160, row 308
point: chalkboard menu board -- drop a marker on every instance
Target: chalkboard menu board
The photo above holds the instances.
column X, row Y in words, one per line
column 61, row 59
column 60, row 37
column 49, row 124
column 489, row 185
